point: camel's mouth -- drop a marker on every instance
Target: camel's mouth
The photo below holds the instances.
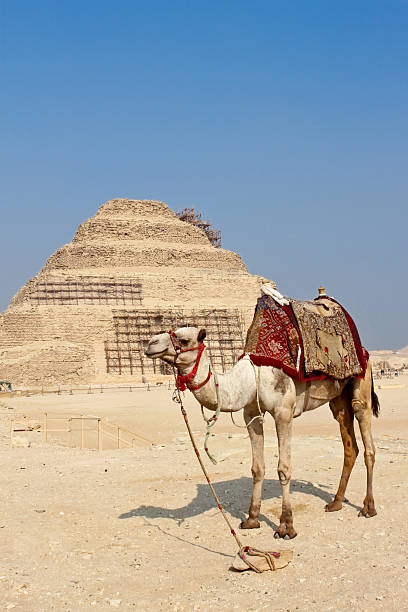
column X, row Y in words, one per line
column 154, row 355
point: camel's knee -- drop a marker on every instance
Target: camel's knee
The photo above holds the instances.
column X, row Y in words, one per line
column 360, row 408
column 284, row 474
column 369, row 456
column 258, row 473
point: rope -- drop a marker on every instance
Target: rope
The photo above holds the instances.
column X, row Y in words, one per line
column 244, row 551
column 212, row 420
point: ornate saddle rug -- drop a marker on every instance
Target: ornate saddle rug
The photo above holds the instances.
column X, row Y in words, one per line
column 307, row 340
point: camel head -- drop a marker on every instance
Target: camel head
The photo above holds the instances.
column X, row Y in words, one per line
column 176, row 348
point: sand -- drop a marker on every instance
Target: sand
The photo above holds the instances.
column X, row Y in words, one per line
column 137, row 528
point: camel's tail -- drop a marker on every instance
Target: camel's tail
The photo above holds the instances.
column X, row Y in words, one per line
column 375, row 402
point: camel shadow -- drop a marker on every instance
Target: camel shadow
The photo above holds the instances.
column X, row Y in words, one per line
column 232, row 494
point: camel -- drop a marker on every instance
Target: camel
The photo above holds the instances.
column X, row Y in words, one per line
column 262, row 389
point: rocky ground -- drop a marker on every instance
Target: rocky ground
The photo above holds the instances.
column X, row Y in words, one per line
column 137, row 528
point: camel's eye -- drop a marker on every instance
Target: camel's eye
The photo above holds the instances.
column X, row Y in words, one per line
column 184, row 342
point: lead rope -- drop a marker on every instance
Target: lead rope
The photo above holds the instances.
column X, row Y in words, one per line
column 212, row 420
column 257, row 383
column 244, row 551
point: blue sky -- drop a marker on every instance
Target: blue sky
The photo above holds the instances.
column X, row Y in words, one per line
column 285, row 123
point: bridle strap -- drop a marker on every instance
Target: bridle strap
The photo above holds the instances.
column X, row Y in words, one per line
column 176, row 344
column 184, row 382
column 202, row 383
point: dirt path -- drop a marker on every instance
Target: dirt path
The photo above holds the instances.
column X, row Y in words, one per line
column 137, row 529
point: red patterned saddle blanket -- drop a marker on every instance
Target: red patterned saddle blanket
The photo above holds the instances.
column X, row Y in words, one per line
column 307, row 340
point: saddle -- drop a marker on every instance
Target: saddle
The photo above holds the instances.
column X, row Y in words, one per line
column 309, row 340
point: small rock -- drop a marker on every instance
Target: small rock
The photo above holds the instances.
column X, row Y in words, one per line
column 22, row 586
column 115, row 603
column 379, row 597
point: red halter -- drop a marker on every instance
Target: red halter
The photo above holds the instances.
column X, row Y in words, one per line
column 176, row 344
column 184, row 382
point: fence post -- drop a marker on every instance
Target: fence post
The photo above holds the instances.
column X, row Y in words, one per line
column 82, row 431
column 148, row 386
column 69, row 433
column 45, row 426
column 118, row 437
column 11, row 432
column 101, row 389
column 99, row 436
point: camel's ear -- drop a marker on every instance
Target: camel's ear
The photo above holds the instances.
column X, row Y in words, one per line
column 201, row 335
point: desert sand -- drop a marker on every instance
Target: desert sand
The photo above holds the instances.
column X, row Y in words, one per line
column 137, row 528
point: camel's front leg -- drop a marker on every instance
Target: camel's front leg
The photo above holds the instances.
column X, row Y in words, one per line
column 283, row 423
column 256, row 435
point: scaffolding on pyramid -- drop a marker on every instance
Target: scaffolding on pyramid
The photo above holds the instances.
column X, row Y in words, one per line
column 87, row 290
column 124, row 352
column 189, row 215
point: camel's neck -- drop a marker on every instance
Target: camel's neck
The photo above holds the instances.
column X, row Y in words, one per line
column 236, row 388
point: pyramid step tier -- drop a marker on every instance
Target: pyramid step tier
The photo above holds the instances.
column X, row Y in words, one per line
column 110, row 255
column 170, row 231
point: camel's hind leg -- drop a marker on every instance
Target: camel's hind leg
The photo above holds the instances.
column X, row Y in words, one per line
column 343, row 413
column 362, row 408
column 256, row 435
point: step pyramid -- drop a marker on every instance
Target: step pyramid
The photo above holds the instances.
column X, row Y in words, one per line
column 131, row 270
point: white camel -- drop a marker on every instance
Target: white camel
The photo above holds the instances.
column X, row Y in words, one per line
column 284, row 398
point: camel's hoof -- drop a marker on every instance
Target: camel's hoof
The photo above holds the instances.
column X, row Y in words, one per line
column 367, row 513
column 285, row 535
column 333, row 506
column 250, row 524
